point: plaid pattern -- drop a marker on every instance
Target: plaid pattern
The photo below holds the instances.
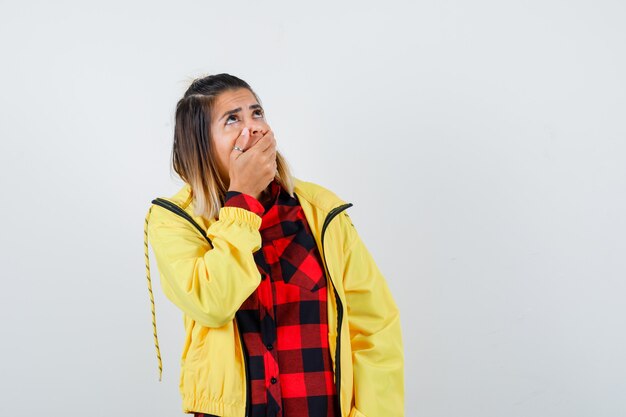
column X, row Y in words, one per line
column 284, row 322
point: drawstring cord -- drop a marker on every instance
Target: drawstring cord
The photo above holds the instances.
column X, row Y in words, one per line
column 156, row 339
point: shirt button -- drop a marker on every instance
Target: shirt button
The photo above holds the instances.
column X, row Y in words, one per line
column 269, row 346
column 273, row 380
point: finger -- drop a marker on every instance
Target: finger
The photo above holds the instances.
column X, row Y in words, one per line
column 257, row 140
column 253, row 142
column 267, row 141
column 241, row 143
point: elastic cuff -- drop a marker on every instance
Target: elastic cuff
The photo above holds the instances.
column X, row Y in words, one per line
column 239, row 214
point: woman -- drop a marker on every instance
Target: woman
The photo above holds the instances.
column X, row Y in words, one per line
column 285, row 312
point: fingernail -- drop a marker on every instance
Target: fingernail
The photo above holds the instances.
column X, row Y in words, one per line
column 244, row 131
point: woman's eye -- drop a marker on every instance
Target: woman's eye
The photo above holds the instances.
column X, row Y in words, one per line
column 258, row 111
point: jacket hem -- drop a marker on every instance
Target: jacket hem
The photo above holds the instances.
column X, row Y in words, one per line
column 197, row 404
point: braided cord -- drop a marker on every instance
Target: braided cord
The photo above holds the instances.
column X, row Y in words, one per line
column 156, row 339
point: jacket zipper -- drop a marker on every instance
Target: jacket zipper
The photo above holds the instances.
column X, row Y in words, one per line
column 246, row 371
column 331, row 215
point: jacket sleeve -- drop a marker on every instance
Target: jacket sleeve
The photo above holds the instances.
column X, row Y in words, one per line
column 208, row 284
column 375, row 334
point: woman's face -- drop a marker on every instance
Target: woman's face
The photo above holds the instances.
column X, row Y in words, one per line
column 232, row 111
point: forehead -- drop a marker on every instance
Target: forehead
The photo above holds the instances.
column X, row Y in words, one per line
column 231, row 99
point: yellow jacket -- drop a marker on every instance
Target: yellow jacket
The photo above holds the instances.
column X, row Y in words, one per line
column 207, row 269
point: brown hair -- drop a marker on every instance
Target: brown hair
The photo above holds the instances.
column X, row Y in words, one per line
column 193, row 156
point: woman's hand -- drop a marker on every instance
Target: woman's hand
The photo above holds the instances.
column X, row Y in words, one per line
column 251, row 171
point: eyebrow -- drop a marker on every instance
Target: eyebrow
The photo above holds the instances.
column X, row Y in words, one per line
column 238, row 109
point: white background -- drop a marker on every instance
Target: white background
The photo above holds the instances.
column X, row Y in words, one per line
column 482, row 144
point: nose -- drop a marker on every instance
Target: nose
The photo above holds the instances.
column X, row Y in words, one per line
column 254, row 128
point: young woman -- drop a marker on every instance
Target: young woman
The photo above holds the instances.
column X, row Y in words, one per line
column 285, row 311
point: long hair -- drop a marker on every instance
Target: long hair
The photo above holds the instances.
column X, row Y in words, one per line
column 193, row 156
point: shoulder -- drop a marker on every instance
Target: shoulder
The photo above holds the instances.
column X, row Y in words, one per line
column 174, row 209
column 317, row 195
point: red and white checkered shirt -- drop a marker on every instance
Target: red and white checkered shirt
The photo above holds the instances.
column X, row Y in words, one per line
column 284, row 322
